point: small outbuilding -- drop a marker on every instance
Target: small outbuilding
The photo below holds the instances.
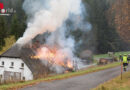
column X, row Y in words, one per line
column 87, row 56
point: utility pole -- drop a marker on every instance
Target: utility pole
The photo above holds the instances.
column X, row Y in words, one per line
column 120, row 4
column 121, row 69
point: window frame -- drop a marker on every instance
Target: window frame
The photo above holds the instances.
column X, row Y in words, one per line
column 22, row 65
column 2, row 63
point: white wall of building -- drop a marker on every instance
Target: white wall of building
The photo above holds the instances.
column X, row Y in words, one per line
column 25, row 72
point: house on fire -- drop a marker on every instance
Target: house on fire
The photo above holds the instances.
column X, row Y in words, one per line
column 16, row 65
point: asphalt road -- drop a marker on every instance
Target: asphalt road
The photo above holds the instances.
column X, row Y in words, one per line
column 84, row 82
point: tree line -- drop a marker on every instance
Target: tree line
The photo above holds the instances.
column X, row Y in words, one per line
column 105, row 34
column 102, row 16
column 14, row 24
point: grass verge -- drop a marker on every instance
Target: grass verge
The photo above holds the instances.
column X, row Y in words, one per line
column 57, row 77
column 116, row 83
column 106, row 55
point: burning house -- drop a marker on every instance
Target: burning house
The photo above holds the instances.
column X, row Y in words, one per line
column 16, row 64
column 56, row 53
column 31, row 62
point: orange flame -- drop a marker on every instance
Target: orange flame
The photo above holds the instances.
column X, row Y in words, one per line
column 54, row 56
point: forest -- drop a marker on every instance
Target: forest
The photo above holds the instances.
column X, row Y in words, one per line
column 109, row 19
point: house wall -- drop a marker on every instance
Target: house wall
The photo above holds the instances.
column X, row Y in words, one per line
column 16, row 68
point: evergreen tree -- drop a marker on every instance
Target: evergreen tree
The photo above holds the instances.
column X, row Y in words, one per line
column 107, row 39
column 17, row 27
column 2, row 32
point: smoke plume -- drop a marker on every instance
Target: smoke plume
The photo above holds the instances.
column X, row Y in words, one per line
column 50, row 16
column 47, row 15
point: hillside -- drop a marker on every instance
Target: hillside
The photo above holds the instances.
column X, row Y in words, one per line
column 8, row 43
column 109, row 26
column 121, row 18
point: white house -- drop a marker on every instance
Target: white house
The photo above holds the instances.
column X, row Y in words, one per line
column 14, row 68
column 16, row 64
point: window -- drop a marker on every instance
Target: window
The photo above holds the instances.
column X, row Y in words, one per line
column 22, row 64
column 12, row 63
column 3, row 63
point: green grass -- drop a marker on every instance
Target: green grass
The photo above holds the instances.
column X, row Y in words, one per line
column 125, row 52
column 116, row 83
column 106, row 55
column 57, row 77
column 8, row 43
column 101, row 56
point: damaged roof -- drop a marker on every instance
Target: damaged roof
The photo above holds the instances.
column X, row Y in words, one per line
column 25, row 53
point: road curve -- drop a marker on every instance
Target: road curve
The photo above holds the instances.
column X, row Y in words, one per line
column 84, row 82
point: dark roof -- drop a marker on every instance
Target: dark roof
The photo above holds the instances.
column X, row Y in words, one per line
column 14, row 51
column 25, row 53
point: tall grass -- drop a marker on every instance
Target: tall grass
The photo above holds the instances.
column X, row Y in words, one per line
column 116, row 83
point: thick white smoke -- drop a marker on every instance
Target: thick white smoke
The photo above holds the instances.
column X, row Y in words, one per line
column 50, row 15
column 47, row 16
